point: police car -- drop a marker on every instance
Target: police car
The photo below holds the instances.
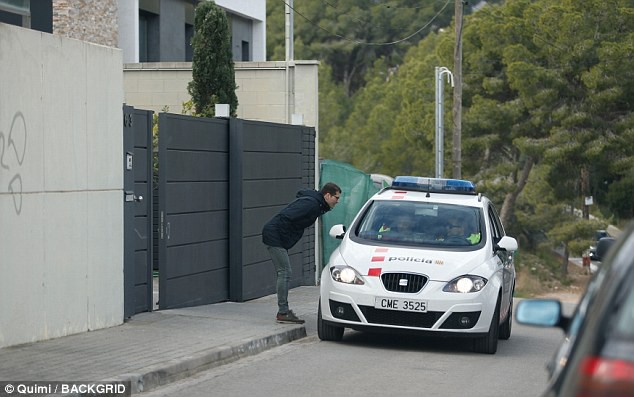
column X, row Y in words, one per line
column 427, row 255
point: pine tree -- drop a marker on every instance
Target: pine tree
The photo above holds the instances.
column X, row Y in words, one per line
column 213, row 75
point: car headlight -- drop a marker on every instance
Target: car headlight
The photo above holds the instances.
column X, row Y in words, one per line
column 464, row 284
column 346, row 275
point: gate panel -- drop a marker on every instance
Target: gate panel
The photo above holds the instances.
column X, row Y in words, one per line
column 138, row 225
column 193, row 211
column 273, row 161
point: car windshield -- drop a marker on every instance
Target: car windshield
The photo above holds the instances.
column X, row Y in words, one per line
column 421, row 224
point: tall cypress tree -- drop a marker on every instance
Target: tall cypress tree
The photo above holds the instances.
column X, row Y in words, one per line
column 213, row 76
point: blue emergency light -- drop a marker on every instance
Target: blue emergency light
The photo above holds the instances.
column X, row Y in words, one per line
column 438, row 185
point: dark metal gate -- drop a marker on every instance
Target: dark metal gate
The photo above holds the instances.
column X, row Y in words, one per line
column 137, row 210
column 220, row 180
column 193, row 211
column 270, row 162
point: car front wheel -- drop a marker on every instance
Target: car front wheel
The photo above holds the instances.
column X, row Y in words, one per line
column 326, row 331
column 489, row 343
column 505, row 327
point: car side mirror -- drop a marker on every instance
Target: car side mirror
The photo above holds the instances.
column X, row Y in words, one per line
column 541, row 313
column 337, row 231
column 506, row 243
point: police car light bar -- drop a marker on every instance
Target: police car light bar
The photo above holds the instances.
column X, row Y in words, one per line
column 438, row 185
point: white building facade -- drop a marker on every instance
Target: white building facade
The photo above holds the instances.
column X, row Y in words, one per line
column 161, row 30
column 145, row 30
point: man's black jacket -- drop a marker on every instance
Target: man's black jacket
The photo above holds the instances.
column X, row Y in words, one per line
column 287, row 227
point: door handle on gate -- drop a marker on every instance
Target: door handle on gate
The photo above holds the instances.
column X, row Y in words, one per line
column 130, row 196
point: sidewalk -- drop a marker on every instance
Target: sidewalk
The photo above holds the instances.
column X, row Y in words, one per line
column 153, row 349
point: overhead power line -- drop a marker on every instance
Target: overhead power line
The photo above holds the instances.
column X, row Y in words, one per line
column 365, row 42
column 382, row 5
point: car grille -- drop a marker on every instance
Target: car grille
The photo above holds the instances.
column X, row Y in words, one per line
column 403, row 282
column 344, row 311
column 405, row 319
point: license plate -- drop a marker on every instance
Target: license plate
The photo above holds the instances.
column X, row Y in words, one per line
column 406, row 305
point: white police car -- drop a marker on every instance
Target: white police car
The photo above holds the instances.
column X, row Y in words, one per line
column 427, row 255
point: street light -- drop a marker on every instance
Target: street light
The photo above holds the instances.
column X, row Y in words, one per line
column 440, row 134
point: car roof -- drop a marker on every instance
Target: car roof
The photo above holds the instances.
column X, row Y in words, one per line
column 393, row 194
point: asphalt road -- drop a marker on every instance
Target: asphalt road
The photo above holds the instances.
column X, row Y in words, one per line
column 379, row 365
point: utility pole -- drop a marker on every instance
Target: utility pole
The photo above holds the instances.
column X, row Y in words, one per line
column 585, row 192
column 290, row 56
column 457, row 94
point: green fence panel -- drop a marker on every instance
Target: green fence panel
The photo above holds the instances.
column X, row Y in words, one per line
column 357, row 188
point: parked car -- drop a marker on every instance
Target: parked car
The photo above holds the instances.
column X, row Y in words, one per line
column 596, row 357
column 602, row 248
column 598, row 235
column 425, row 255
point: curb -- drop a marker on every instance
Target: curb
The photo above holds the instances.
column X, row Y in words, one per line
column 176, row 369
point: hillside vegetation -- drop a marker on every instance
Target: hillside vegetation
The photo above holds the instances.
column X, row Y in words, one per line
column 547, row 100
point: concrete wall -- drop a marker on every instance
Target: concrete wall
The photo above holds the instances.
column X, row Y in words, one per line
column 61, row 186
column 262, row 89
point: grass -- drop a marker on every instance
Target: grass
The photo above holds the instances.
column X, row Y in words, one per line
column 540, row 274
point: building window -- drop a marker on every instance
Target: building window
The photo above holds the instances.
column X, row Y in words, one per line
column 22, row 7
column 189, row 34
column 36, row 15
column 142, row 38
column 245, row 51
column 16, row 12
column 148, row 37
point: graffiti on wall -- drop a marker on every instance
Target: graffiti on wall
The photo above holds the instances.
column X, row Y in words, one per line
column 12, row 152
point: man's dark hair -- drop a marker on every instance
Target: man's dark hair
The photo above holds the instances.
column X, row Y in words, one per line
column 330, row 188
